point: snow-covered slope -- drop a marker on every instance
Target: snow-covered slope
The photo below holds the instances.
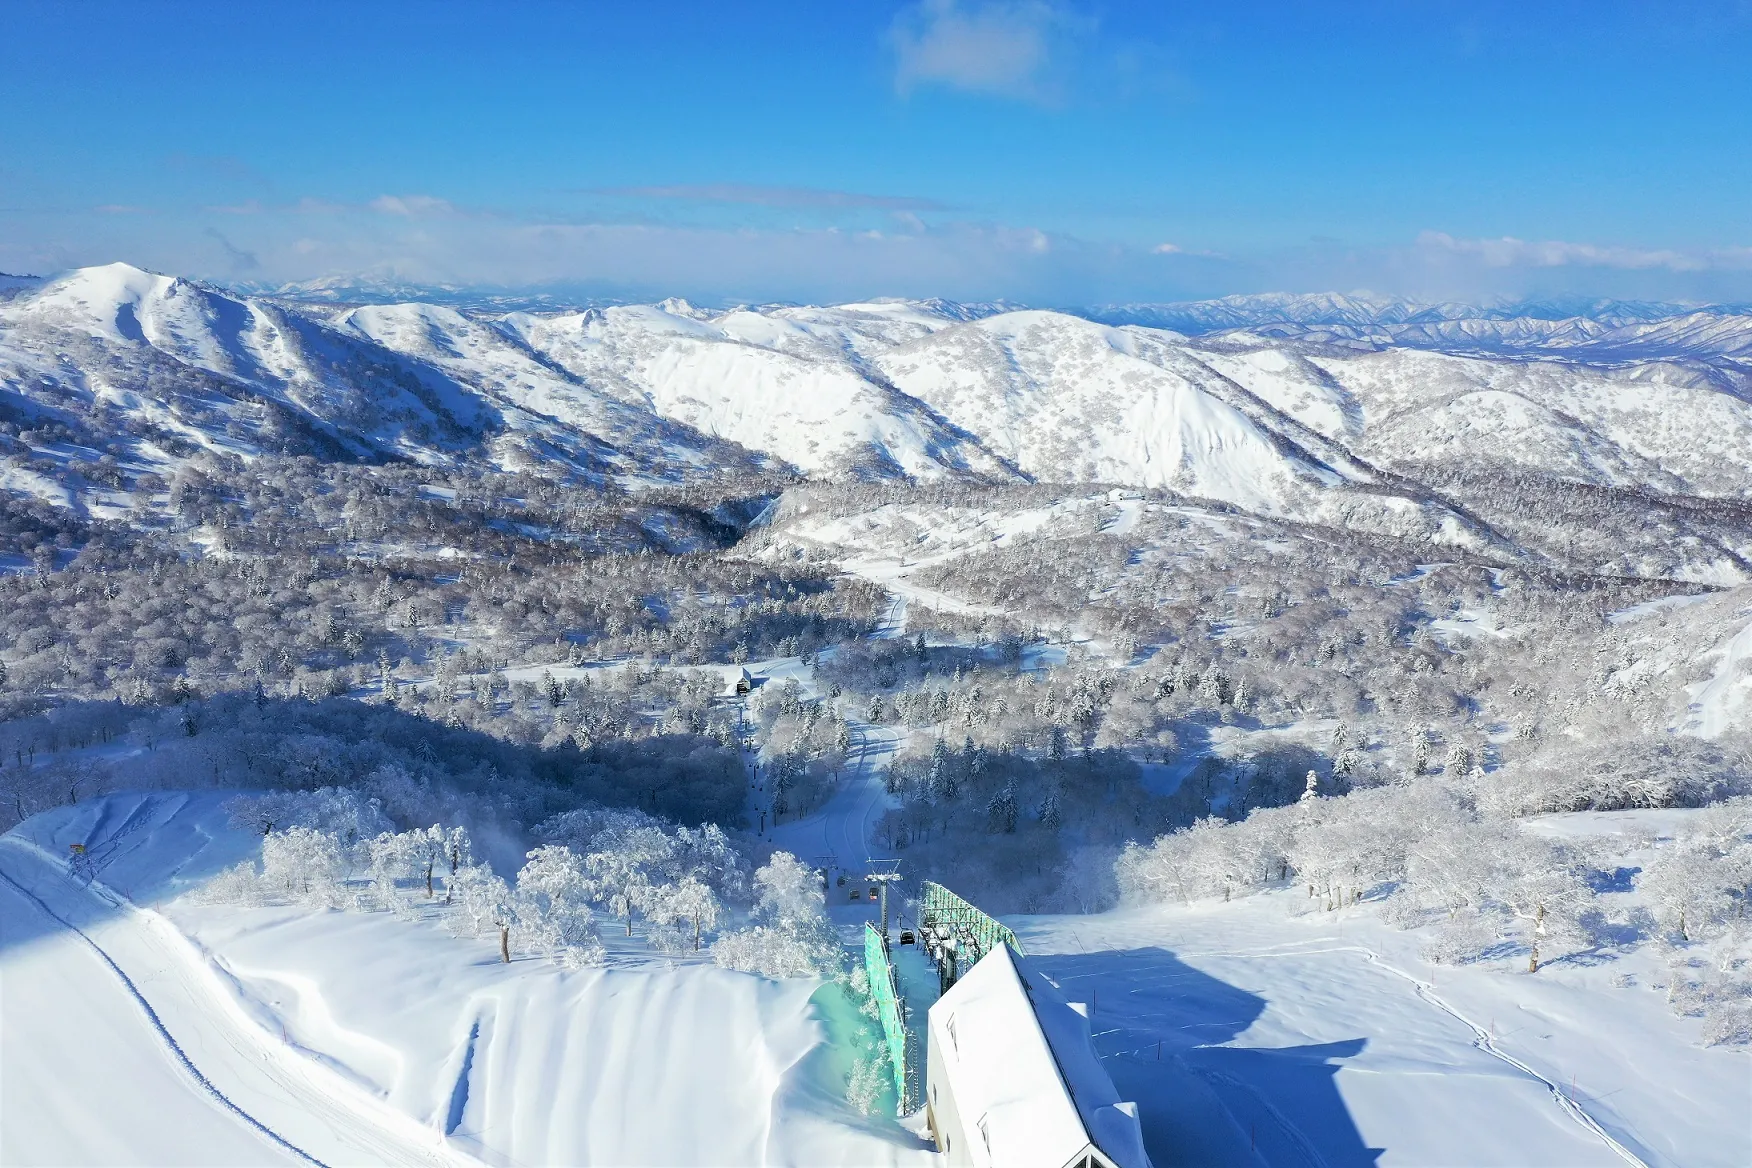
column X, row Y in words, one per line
column 1262, row 1032
column 779, row 383
column 1657, row 426
column 167, row 351
column 1070, row 400
column 286, row 1036
column 143, row 1028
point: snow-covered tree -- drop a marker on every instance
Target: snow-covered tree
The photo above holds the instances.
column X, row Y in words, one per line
column 706, row 854
column 551, row 908
column 395, row 856
column 485, row 903
column 626, row 867
column 794, row 938
column 690, row 901
column 304, row 865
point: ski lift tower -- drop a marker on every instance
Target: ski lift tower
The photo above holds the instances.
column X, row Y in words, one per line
column 882, row 874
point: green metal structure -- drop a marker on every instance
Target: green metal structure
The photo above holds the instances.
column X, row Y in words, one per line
column 881, row 974
column 939, row 906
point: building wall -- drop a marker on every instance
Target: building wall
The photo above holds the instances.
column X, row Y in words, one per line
column 945, row 1120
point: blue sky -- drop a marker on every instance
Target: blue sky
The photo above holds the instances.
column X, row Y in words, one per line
column 1046, row 151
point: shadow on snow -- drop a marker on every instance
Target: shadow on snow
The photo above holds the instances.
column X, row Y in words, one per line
column 1160, row 1027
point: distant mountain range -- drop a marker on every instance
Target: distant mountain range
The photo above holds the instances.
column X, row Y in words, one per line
column 1605, row 329
column 1344, row 411
column 1362, row 310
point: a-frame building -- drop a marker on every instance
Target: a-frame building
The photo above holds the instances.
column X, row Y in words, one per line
column 1012, row 1079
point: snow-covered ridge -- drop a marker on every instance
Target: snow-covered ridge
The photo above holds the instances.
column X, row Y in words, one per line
column 1361, row 434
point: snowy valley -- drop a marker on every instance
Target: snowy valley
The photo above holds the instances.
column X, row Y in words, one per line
column 448, row 732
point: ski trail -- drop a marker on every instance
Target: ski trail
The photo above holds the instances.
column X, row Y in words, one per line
column 352, row 1126
column 1482, row 1038
column 170, row 1043
column 893, row 622
column 842, row 826
column 1718, row 698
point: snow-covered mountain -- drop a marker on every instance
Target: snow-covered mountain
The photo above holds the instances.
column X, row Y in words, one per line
column 1623, row 330
column 1375, row 414
column 1366, row 309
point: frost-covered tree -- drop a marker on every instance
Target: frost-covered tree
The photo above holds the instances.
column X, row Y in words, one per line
column 793, row 937
column 627, row 867
column 393, row 857
column 346, row 812
column 1701, row 884
column 691, row 901
column 485, row 904
column 551, row 908
column 707, row 855
column 1001, row 810
column 304, row 865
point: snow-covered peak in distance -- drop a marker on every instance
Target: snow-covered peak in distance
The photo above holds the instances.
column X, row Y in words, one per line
column 1602, row 328
column 1362, row 309
column 1196, row 317
column 559, row 297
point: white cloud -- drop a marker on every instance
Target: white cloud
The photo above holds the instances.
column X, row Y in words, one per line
column 969, row 261
column 410, row 206
column 1166, row 249
column 1509, row 252
column 1003, row 47
column 806, row 198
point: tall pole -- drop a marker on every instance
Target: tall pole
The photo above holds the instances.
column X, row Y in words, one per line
column 884, row 873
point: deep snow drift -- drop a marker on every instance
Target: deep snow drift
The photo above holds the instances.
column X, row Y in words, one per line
column 278, row 1034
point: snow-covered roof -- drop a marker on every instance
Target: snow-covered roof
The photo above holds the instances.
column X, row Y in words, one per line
column 1027, row 1082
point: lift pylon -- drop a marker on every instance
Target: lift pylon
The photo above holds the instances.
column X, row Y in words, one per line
column 883, row 873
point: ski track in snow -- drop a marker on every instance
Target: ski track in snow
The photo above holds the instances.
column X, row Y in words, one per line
column 360, row 1129
column 842, row 827
column 169, row 1041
